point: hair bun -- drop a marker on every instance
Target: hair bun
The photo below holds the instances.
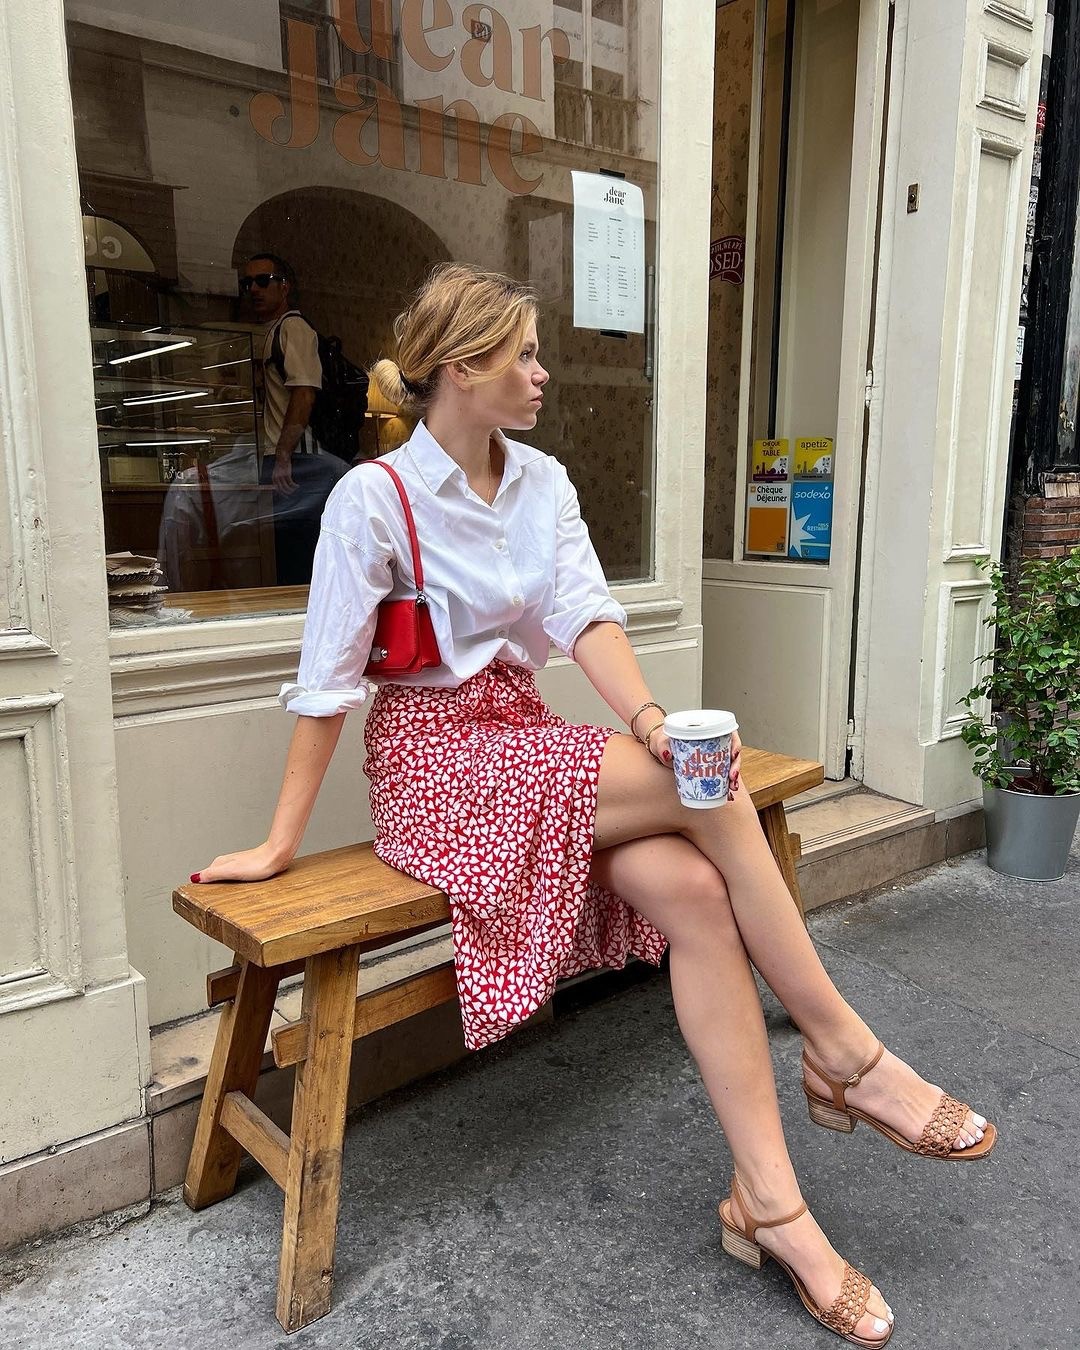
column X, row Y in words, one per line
column 390, row 382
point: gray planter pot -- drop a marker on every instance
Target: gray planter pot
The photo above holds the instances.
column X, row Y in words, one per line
column 1029, row 836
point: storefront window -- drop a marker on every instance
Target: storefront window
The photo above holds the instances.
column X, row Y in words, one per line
column 240, row 162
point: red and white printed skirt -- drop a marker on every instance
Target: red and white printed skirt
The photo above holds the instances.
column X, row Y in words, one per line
column 485, row 793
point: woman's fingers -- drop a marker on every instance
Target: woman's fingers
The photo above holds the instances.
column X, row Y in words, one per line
column 662, row 748
column 253, row 864
column 215, row 872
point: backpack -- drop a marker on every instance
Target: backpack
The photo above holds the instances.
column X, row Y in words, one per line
column 340, row 405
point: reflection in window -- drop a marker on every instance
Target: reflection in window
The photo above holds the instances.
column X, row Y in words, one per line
column 608, row 11
column 596, row 112
column 305, row 163
column 334, row 58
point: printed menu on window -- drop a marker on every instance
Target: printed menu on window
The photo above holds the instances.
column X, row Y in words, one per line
column 609, row 253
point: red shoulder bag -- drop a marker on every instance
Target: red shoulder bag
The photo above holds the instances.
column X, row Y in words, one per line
column 404, row 642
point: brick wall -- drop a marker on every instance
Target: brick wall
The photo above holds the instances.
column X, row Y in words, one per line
column 1048, row 525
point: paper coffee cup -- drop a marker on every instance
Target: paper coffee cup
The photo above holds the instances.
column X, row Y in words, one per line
column 701, row 751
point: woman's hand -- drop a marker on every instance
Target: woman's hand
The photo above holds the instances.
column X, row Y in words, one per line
column 660, row 749
column 252, row 864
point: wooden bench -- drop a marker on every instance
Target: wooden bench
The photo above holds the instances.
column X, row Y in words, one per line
column 317, row 918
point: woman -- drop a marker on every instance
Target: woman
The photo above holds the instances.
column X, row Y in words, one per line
column 565, row 847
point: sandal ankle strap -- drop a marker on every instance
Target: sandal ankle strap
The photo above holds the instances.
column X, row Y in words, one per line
column 837, row 1086
column 752, row 1224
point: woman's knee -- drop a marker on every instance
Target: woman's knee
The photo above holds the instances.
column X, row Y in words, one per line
column 705, row 904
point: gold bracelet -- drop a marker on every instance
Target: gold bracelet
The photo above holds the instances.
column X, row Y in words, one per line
column 649, row 734
column 650, row 704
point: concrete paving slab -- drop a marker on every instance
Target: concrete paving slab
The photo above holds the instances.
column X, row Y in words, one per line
column 993, row 938
column 558, row 1191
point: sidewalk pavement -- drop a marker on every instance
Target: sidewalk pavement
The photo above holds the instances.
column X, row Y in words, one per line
column 559, row 1190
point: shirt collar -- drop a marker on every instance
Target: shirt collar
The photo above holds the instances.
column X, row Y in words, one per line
column 436, row 467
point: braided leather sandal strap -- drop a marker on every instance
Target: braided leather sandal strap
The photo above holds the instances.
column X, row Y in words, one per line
column 939, row 1137
column 849, row 1305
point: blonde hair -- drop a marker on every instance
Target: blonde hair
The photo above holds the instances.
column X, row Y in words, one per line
column 460, row 314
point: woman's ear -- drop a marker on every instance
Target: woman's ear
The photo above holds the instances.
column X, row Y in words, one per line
column 457, row 374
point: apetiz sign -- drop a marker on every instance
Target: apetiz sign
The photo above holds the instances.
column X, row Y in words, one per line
column 489, row 40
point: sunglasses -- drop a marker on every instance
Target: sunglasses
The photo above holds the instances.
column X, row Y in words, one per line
column 260, row 279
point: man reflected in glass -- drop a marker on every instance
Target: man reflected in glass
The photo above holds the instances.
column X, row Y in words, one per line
column 298, row 470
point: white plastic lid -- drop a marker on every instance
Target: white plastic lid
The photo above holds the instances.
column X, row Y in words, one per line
column 700, row 723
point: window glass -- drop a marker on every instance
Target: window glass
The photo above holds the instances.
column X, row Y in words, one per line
column 263, row 185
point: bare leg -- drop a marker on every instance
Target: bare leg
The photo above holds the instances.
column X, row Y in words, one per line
column 637, row 799
column 673, row 885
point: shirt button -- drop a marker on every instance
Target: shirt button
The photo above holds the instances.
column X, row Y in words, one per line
column 517, row 600
column 500, row 544
column 504, row 632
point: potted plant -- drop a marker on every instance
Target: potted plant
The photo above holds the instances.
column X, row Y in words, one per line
column 1024, row 717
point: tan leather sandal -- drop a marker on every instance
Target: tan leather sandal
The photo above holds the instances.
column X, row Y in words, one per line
column 938, row 1138
column 842, row 1315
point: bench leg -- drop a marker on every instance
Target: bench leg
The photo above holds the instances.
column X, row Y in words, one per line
column 774, row 824
column 234, row 1067
column 313, row 1184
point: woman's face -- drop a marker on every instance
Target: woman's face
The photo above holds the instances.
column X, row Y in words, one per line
column 513, row 401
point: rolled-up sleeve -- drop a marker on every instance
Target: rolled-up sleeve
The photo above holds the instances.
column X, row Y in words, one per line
column 300, row 353
column 347, row 582
column 581, row 590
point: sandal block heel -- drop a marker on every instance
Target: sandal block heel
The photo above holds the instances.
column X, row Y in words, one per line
column 742, row 1249
column 845, row 1311
column 830, row 1117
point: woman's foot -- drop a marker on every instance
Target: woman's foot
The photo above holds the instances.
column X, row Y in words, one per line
column 804, row 1248
column 893, row 1093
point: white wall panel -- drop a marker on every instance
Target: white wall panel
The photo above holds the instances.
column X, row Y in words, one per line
column 43, row 960
column 962, row 639
column 765, row 658
column 987, row 344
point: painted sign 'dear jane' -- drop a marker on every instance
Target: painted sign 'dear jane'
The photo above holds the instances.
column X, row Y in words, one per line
column 489, row 40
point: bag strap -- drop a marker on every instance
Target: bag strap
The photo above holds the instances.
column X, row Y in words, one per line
column 277, row 350
column 414, row 543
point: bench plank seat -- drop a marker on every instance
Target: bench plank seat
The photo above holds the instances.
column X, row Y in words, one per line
column 324, row 901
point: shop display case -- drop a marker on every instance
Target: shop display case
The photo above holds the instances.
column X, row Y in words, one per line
column 178, row 434
column 169, row 398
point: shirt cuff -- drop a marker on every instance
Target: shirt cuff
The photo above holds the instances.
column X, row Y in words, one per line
column 566, row 630
column 322, row 702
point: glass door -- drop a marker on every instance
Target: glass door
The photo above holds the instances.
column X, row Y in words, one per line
column 786, row 449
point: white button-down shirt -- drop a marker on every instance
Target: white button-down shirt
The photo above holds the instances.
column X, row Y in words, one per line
column 502, row 581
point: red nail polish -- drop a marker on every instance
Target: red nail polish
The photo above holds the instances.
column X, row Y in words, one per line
column 196, row 876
